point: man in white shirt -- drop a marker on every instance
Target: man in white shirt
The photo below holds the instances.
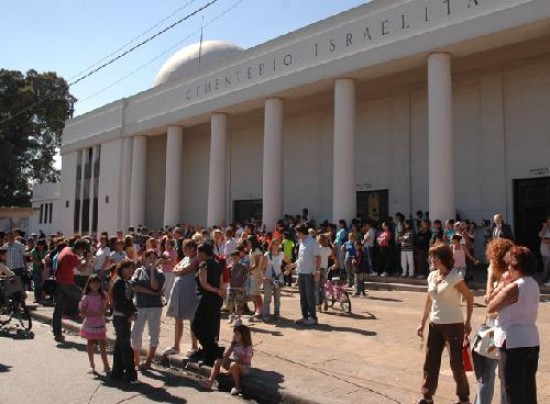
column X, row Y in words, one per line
column 102, row 254
column 229, row 245
column 308, row 270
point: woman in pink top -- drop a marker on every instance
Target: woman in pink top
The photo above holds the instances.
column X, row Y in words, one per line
column 171, row 257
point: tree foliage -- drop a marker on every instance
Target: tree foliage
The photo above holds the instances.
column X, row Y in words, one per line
column 33, row 110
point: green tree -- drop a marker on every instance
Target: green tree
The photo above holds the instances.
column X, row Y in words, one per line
column 33, row 110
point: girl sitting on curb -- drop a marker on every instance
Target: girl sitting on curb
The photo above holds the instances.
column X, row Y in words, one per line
column 236, row 361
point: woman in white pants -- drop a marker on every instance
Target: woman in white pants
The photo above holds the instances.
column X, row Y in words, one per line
column 147, row 283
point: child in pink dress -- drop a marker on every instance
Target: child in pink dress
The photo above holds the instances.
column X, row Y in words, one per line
column 92, row 307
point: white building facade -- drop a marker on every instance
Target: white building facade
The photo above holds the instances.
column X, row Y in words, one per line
column 397, row 105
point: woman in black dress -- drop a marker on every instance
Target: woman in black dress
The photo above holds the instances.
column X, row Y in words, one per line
column 210, row 293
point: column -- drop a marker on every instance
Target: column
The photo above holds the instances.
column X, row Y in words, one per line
column 441, row 189
column 137, row 182
column 343, row 183
column 273, row 162
column 172, row 187
column 92, row 189
column 83, row 158
column 125, row 186
column 217, row 174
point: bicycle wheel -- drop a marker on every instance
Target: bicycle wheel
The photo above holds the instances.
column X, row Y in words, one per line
column 345, row 302
column 22, row 314
column 6, row 313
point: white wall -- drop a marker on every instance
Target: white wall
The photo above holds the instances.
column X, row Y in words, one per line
column 307, row 164
column 196, row 158
column 65, row 221
column 110, row 187
column 155, row 182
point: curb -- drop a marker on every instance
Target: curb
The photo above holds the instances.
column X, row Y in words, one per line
column 261, row 391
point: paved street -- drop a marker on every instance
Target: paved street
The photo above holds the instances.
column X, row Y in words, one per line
column 371, row 356
column 35, row 371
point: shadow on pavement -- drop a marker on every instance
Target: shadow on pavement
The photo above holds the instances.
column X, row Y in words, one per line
column 326, row 328
column 266, row 381
column 4, row 368
column 384, row 299
column 151, row 393
column 355, row 316
column 72, row 345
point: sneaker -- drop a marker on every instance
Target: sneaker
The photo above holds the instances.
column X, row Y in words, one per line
column 251, row 320
column 134, row 382
column 363, row 294
column 238, row 322
column 310, row 321
column 231, row 319
column 170, row 351
column 301, row 321
column 235, row 391
column 384, row 275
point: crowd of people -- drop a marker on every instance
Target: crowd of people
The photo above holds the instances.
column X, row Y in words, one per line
column 195, row 271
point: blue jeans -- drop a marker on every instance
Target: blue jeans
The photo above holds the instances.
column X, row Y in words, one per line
column 320, row 287
column 306, row 286
column 63, row 295
column 270, row 291
column 485, row 371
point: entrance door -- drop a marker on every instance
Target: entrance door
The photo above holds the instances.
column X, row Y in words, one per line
column 245, row 210
column 373, row 205
column 531, row 207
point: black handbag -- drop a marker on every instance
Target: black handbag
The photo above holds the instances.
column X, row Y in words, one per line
column 49, row 286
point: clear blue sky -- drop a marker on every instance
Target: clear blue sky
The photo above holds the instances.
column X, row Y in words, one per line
column 67, row 36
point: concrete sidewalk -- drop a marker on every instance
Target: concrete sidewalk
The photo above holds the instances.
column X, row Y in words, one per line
column 369, row 356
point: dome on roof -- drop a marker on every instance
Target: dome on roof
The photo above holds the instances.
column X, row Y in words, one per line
column 185, row 62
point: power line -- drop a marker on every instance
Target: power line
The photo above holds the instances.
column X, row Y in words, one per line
column 149, row 39
column 113, row 60
column 160, row 55
column 134, row 39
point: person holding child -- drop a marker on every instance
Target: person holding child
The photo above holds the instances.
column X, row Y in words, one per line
column 92, row 307
column 236, row 361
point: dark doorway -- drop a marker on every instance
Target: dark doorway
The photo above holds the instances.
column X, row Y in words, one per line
column 373, row 205
column 244, row 210
column 531, row 207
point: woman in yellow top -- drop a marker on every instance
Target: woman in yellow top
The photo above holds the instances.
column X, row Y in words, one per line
column 447, row 327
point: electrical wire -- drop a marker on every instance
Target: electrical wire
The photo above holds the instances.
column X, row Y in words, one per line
column 140, row 44
column 134, row 39
column 160, row 55
column 118, row 57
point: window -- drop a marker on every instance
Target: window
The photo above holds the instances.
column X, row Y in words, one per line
column 41, row 218
column 51, row 213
